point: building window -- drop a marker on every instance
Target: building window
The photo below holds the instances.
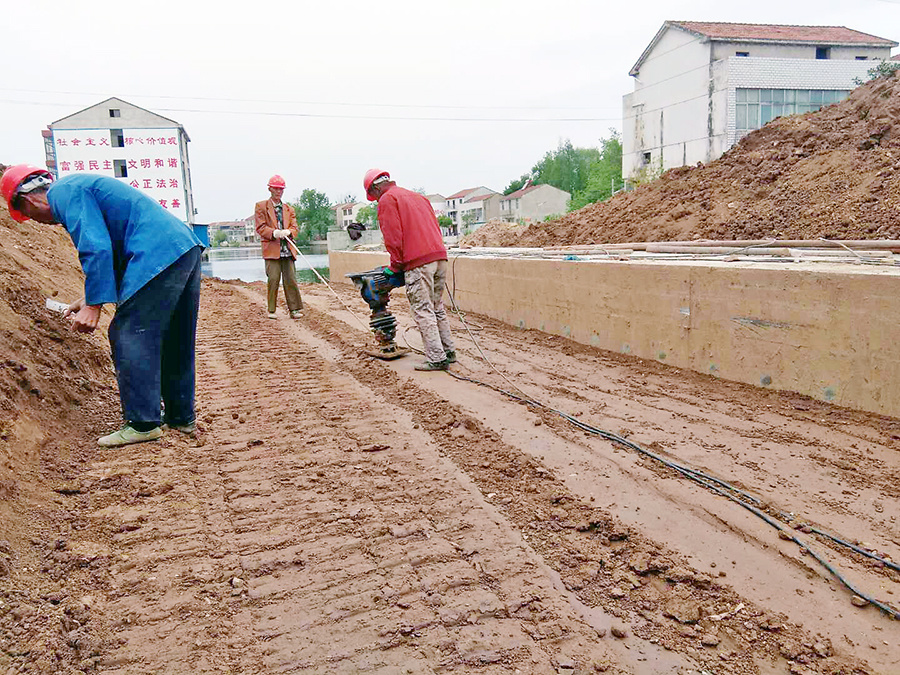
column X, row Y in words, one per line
column 117, row 138
column 120, row 168
column 757, row 107
column 823, row 52
column 742, row 53
column 862, row 58
column 115, row 112
column 646, row 158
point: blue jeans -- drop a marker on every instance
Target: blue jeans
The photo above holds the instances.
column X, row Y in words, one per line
column 153, row 338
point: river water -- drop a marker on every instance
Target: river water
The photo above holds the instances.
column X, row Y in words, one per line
column 247, row 264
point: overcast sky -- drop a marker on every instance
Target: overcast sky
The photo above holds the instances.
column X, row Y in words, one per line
column 214, row 68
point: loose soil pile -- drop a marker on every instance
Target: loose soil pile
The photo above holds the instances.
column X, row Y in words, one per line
column 46, row 371
column 834, row 173
column 53, row 384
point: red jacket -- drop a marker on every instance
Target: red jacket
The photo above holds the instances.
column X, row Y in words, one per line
column 411, row 232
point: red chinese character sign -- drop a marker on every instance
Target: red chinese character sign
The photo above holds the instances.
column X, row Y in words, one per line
column 150, row 161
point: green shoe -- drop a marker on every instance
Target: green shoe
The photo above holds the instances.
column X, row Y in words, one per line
column 431, row 365
column 127, row 436
column 189, row 429
column 451, row 356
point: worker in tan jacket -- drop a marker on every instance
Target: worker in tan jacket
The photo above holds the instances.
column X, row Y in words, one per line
column 275, row 223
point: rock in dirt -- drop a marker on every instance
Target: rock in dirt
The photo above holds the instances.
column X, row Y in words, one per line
column 822, row 649
column 679, row 573
column 601, row 665
column 565, row 665
column 790, row 649
column 709, row 640
column 619, row 632
column 682, row 607
column 858, row 601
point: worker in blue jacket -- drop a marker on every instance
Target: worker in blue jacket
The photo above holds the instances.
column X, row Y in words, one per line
column 145, row 261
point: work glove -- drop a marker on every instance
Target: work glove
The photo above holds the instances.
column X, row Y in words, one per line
column 395, row 279
column 279, row 234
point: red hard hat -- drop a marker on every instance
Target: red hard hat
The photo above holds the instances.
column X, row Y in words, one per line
column 277, row 181
column 12, row 178
column 369, row 178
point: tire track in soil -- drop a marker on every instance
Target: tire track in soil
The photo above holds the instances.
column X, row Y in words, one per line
column 311, row 527
column 841, row 448
column 605, row 564
column 800, row 458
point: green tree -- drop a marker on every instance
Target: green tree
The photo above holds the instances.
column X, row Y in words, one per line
column 314, row 215
column 883, row 69
column 566, row 168
column 445, row 222
column 604, row 175
column 219, row 238
column 516, row 184
column 468, row 219
column 368, row 216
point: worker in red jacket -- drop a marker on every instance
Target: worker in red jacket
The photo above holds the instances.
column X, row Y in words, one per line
column 413, row 238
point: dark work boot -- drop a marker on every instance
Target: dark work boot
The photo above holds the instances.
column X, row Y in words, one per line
column 451, row 356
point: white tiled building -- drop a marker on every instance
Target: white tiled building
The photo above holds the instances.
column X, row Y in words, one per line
column 699, row 87
column 139, row 147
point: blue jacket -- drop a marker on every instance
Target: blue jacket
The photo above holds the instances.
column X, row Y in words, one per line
column 124, row 238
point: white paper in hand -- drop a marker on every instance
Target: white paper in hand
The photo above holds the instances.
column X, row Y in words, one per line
column 55, row 306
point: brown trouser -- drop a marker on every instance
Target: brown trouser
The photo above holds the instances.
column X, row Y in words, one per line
column 425, row 291
column 283, row 268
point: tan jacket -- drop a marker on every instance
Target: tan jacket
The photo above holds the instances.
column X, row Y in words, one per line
column 267, row 223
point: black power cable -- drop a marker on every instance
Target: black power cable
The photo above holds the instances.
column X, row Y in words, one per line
column 712, row 483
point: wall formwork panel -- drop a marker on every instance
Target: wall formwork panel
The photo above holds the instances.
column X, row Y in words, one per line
column 824, row 330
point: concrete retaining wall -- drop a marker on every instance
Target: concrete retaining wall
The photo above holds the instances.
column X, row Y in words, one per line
column 825, row 330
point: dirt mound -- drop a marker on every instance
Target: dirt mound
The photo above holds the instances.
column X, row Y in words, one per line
column 494, row 231
column 834, row 173
column 47, row 372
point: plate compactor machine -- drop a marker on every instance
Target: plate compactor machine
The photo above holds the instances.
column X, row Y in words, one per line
column 375, row 287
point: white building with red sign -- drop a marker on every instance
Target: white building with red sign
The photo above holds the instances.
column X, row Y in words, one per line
column 139, row 147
